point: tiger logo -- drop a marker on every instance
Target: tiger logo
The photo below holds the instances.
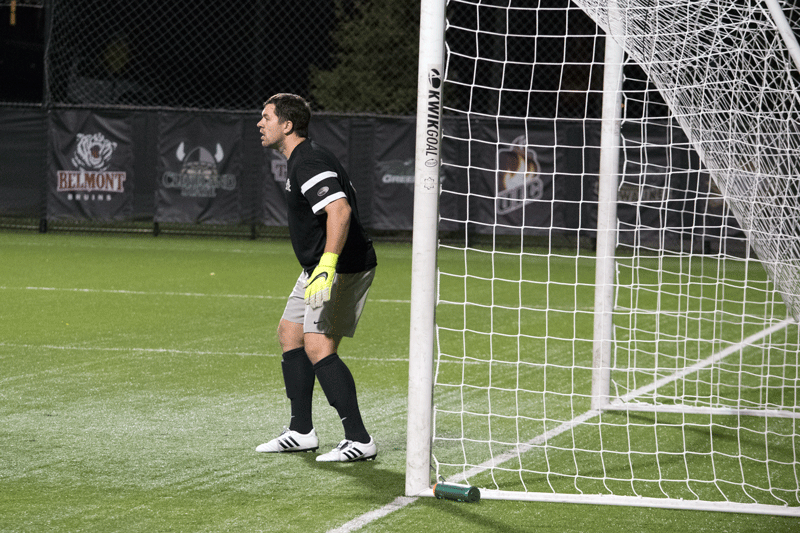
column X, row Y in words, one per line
column 93, row 152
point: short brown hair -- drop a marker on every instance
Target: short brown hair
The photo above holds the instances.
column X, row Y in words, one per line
column 294, row 108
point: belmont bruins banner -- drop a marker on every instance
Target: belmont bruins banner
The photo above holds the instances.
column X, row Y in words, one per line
column 90, row 167
column 199, row 170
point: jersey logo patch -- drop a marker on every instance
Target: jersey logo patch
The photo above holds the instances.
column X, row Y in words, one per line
column 288, row 185
column 323, row 191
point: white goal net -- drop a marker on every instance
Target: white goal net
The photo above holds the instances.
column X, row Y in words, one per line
column 665, row 371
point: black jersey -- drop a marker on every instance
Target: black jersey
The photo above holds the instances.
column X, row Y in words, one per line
column 315, row 178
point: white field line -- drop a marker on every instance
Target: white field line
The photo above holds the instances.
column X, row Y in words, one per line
column 361, row 521
column 175, row 351
column 168, row 293
column 199, row 352
column 141, row 350
column 400, row 502
column 174, row 246
column 744, row 343
column 259, row 297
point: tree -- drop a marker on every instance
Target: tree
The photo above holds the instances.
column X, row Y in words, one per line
column 375, row 61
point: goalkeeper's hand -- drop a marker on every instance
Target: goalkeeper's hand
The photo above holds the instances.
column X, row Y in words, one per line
column 318, row 288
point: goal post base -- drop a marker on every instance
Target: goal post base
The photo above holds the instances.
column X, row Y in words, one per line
column 635, row 501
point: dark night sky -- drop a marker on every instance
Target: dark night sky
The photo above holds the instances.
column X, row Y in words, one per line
column 184, row 53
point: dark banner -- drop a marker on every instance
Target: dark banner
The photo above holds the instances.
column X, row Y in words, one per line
column 199, row 169
column 332, row 133
column 23, row 161
column 651, row 195
column 273, row 171
column 379, row 157
column 534, row 177
column 90, row 174
column 393, row 185
column 509, row 178
column 511, row 173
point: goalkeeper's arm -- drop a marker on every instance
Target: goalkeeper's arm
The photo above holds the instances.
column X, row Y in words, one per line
column 318, row 289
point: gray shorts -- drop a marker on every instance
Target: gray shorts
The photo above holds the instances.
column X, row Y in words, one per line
column 336, row 317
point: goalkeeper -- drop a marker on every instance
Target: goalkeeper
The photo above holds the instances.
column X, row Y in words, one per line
column 338, row 263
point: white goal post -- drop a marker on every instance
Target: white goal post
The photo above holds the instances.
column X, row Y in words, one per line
column 606, row 253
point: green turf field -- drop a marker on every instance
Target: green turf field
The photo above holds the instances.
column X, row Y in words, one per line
column 139, row 373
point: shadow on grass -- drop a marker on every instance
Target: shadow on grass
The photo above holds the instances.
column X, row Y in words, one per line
column 384, row 485
column 467, row 513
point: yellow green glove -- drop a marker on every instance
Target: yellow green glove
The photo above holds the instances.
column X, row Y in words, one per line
column 318, row 288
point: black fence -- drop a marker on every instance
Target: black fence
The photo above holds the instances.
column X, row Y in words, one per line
column 206, row 54
column 141, row 116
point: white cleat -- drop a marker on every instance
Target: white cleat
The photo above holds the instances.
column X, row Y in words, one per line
column 291, row 441
column 348, row 451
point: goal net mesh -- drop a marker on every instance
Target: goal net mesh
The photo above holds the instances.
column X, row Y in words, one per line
column 704, row 370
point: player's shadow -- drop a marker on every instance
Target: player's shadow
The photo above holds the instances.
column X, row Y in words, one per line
column 378, row 481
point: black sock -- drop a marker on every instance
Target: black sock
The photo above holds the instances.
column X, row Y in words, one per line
column 298, row 377
column 339, row 387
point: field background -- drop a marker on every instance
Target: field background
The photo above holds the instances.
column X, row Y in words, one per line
column 139, row 373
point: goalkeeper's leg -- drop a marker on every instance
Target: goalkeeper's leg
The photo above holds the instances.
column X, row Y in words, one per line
column 324, row 328
column 298, row 371
column 338, row 385
column 298, row 378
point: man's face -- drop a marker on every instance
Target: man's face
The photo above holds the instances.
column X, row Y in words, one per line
column 272, row 131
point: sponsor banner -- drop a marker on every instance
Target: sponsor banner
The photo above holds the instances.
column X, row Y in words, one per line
column 393, row 182
column 199, row 169
column 90, row 167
